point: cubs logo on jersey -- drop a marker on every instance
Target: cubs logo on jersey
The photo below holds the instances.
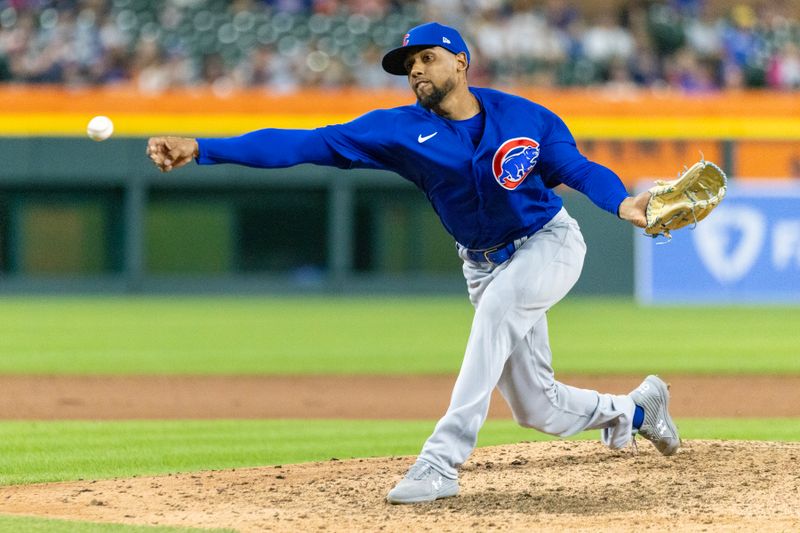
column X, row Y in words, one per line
column 514, row 161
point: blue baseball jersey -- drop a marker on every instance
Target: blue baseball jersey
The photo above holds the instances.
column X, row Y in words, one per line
column 485, row 194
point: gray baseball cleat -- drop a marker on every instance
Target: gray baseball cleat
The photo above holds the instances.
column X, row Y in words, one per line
column 422, row 484
column 653, row 396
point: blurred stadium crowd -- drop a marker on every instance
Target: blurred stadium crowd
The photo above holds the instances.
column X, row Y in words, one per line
column 287, row 44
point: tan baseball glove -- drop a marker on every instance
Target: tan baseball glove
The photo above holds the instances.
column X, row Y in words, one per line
column 686, row 200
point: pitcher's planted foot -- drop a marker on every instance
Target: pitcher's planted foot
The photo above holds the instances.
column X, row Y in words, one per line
column 422, row 483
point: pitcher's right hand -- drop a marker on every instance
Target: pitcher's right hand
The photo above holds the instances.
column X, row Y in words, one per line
column 171, row 152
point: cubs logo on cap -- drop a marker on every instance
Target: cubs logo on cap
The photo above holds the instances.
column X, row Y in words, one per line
column 514, row 161
column 424, row 36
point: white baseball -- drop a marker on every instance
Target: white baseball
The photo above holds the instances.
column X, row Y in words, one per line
column 100, row 128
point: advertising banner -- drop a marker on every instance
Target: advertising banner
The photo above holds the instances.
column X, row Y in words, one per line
column 746, row 251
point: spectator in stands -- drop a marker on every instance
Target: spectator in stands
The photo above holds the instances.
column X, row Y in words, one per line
column 741, row 47
column 690, row 74
column 784, row 68
column 606, row 41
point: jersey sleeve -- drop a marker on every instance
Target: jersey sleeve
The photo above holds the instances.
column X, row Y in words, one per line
column 563, row 163
column 363, row 142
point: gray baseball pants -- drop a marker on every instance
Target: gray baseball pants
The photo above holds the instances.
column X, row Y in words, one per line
column 508, row 347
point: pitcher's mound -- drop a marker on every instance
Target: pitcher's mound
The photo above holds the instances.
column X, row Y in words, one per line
column 708, row 485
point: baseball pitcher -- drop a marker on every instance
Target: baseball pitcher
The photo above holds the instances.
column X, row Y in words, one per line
column 488, row 162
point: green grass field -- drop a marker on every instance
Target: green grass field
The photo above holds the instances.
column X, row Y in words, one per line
column 387, row 335
column 16, row 524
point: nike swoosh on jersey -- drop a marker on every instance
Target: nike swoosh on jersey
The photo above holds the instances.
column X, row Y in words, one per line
column 422, row 139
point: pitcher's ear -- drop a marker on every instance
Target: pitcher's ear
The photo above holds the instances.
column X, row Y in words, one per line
column 461, row 61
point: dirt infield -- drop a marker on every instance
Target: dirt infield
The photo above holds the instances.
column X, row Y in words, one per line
column 556, row 486
column 352, row 397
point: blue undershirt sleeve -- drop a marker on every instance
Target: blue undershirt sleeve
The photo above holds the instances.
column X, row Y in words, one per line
column 563, row 163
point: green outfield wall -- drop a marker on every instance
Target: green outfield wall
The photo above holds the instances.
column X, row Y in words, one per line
column 82, row 216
